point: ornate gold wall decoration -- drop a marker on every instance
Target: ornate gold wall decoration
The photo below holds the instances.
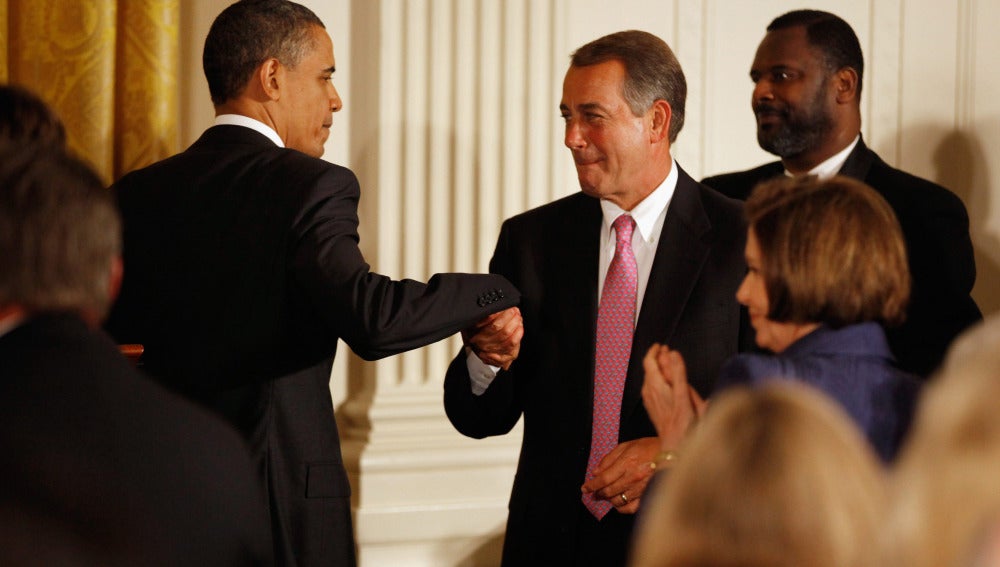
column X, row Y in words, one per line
column 108, row 67
column 4, row 41
column 146, row 84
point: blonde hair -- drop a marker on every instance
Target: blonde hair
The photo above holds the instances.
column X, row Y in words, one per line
column 832, row 251
column 944, row 489
column 777, row 476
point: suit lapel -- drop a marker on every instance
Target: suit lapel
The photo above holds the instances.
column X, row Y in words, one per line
column 574, row 273
column 859, row 162
column 680, row 255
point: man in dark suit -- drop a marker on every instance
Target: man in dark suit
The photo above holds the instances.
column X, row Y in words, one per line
column 243, row 270
column 575, row 495
column 807, row 75
column 102, row 466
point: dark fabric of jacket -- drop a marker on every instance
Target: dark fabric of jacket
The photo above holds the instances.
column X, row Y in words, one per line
column 551, row 255
column 242, row 269
column 102, row 466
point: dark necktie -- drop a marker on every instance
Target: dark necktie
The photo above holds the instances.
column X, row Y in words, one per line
column 615, row 326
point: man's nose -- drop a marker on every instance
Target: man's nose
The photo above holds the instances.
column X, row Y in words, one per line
column 762, row 92
column 335, row 103
column 574, row 138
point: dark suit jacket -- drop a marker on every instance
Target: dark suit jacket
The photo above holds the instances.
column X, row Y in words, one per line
column 936, row 229
column 853, row 366
column 102, row 466
column 551, row 255
column 242, row 270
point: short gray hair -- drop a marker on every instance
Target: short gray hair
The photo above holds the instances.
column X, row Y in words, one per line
column 652, row 72
column 59, row 233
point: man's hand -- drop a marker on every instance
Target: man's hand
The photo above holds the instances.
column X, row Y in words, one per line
column 672, row 405
column 496, row 340
column 625, row 470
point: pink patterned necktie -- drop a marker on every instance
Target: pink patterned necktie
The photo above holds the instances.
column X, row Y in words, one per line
column 615, row 326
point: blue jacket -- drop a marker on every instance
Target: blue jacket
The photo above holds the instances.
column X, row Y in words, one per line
column 854, row 366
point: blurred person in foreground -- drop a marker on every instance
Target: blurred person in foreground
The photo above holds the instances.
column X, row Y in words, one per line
column 25, row 120
column 772, row 477
column 243, row 269
column 101, row 465
column 944, row 490
column 826, row 269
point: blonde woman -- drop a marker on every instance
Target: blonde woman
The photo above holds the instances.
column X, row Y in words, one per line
column 772, row 477
column 946, row 485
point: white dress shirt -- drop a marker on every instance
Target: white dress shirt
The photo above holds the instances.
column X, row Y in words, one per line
column 831, row 166
column 649, row 215
column 247, row 122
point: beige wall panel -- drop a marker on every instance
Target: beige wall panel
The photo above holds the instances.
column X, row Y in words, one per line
column 980, row 140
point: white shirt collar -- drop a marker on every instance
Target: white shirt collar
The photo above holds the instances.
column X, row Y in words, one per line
column 247, row 122
column 649, row 209
column 832, row 165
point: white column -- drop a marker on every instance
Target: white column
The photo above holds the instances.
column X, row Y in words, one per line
column 449, row 137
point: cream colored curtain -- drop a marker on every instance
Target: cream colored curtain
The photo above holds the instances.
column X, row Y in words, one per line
column 108, row 67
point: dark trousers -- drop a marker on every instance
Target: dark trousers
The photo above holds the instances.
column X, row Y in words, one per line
column 603, row 543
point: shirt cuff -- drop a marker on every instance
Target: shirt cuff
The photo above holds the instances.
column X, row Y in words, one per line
column 480, row 373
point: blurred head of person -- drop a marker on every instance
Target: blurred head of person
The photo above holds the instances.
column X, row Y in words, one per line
column 60, row 235
column 944, row 488
column 827, row 252
column 25, row 120
column 771, row 477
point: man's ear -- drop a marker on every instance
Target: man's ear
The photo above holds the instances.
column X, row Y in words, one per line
column 846, row 82
column 660, row 115
column 270, row 77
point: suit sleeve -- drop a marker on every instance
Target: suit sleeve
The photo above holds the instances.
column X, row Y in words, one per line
column 495, row 411
column 749, row 370
column 374, row 314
